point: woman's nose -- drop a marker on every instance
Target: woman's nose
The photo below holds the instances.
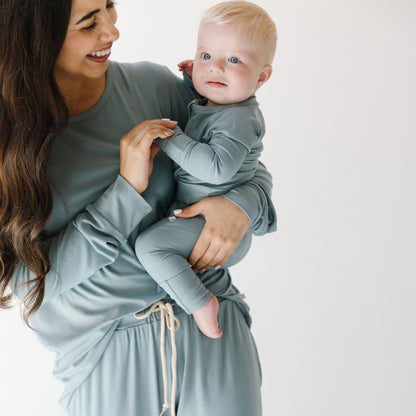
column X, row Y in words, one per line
column 109, row 32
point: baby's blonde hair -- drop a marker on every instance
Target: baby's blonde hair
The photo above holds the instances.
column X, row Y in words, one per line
column 250, row 20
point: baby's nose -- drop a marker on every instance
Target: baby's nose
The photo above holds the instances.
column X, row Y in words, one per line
column 216, row 66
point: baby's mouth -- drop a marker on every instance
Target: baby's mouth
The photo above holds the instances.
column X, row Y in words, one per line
column 218, row 84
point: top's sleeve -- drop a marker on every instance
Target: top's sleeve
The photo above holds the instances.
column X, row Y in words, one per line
column 254, row 198
column 90, row 241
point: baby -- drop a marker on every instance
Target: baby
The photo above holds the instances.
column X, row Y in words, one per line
column 218, row 150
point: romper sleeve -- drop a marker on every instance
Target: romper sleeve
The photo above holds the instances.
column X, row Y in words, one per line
column 90, row 241
column 215, row 162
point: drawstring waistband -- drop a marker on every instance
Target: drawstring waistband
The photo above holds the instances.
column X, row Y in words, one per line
column 168, row 318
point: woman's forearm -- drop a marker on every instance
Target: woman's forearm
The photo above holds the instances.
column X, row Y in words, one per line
column 90, row 242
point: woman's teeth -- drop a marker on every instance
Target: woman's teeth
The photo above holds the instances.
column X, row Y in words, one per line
column 98, row 54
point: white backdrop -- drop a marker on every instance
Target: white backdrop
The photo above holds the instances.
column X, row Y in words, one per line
column 333, row 291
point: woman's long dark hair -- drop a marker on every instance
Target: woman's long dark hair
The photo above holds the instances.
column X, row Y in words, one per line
column 31, row 36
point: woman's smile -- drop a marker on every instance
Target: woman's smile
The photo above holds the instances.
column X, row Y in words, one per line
column 100, row 56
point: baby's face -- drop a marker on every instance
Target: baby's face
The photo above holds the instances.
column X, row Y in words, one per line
column 226, row 68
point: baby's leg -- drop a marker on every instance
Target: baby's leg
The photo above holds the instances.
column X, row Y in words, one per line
column 163, row 250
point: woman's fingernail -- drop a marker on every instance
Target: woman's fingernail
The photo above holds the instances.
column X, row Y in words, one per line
column 177, row 211
column 170, row 121
column 202, row 270
column 217, row 267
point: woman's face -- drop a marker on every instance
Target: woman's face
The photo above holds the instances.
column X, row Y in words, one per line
column 87, row 46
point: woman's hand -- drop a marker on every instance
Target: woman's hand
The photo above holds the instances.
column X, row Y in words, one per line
column 137, row 151
column 225, row 226
column 186, row 66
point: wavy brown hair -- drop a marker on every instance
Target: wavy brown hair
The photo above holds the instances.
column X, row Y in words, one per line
column 31, row 36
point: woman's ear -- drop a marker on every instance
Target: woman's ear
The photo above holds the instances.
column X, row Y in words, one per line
column 265, row 74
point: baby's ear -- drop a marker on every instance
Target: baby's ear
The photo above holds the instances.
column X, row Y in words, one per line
column 265, row 74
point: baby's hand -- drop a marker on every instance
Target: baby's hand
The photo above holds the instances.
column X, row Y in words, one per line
column 187, row 67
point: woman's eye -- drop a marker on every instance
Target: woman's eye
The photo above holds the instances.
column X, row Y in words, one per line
column 234, row 60
column 90, row 27
column 206, row 56
column 110, row 5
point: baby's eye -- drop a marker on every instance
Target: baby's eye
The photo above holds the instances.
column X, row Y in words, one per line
column 206, row 56
column 234, row 60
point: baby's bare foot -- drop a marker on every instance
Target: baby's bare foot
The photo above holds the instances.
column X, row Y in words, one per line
column 206, row 318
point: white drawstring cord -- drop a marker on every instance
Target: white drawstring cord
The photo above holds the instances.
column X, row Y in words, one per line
column 167, row 317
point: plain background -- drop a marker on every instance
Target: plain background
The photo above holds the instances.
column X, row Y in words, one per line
column 333, row 291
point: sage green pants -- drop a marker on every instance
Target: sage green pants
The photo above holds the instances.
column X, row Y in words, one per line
column 215, row 377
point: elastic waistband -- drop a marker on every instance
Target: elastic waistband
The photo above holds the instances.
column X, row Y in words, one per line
column 129, row 320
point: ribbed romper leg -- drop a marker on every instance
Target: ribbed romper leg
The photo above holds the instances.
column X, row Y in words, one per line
column 163, row 250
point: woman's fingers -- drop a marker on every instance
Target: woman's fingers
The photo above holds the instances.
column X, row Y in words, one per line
column 198, row 251
column 222, row 256
column 137, row 151
column 225, row 226
column 213, row 258
column 186, row 65
column 213, row 248
column 150, row 130
column 216, row 255
column 190, row 211
column 153, row 151
column 206, row 260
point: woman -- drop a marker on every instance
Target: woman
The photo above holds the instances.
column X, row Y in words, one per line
column 75, row 197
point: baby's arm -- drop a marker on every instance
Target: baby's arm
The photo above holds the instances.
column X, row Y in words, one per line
column 215, row 162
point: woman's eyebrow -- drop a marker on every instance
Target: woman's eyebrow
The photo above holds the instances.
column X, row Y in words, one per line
column 87, row 16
